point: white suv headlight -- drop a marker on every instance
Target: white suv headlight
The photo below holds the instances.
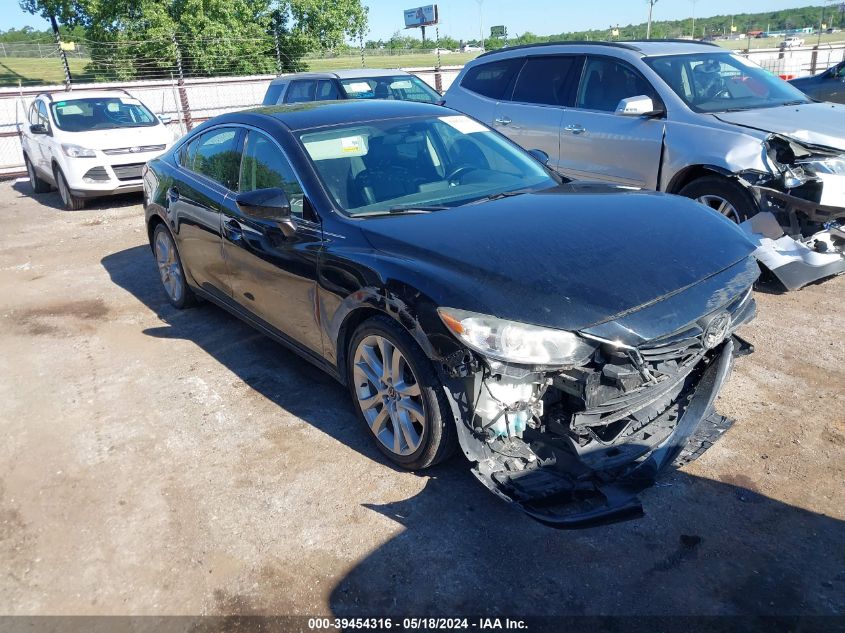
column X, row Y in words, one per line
column 76, row 151
column 514, row 342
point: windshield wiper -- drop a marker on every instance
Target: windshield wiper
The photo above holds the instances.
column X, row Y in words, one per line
column 408, row 209
column 499, row 196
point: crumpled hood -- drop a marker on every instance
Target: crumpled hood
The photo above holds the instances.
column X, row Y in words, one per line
column 813, row 123
column 121, row 137
column 563, row 260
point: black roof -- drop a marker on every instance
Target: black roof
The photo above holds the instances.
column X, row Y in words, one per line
column 313, row 114
column 631, row 45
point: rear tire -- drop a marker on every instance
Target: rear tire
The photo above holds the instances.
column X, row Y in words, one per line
column 724, row 196
column 71, row 202
column 170, row 269
column 401, row 401
column 38, row 185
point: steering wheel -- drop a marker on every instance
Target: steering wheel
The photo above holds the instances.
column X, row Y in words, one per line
column 459, row 172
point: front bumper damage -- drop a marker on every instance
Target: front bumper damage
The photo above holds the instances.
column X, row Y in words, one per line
column 797, row 262
column 599, row 434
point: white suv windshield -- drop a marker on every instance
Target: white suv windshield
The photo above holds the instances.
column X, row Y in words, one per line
column 720, row 82
column 407, row 165
column 400, row 87
column 101, row 113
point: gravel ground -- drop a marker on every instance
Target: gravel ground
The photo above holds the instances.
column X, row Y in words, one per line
column 166, row 462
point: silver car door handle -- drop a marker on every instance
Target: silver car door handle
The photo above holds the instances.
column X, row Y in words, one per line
column 575, row 129
column 502, row 120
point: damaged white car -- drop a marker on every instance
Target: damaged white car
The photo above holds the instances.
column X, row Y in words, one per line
column 681, row 117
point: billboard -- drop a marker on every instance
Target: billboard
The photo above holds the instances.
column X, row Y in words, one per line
column 421, row 16
column 498, row 31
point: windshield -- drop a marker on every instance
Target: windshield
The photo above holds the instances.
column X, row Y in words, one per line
column 719, row 82
column 103, row 113
column 400, row 87
column 419, row 164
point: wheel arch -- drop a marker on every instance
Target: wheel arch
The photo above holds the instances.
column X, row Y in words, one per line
column 693, row 172
column 152, row 223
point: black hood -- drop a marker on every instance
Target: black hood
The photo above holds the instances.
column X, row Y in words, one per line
column 563, row 260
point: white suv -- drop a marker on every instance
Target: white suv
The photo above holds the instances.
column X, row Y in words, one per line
column 90, row 143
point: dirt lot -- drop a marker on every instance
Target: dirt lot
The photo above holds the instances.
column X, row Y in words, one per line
column 165, row 462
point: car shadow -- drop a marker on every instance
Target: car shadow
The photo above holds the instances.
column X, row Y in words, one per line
column 704, row 546
column 262, row 364
column 53, row 200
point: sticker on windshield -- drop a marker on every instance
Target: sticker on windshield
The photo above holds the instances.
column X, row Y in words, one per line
column 360, row 86
column 129, row 101
column 463, row 124
column 337, row 147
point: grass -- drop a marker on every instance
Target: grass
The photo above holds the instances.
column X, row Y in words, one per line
column 33, row 71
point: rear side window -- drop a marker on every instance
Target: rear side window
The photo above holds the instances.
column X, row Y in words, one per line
column 273, row 94
column 215, row 155
column 546, row 80
column 301, row 91
column 492, row 79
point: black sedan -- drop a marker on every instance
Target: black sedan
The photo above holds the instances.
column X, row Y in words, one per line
column 569, row 338
column 827, row 86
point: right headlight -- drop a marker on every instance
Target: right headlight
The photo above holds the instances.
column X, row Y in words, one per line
column 515, row 342
column 832, row 165
column 77, row 151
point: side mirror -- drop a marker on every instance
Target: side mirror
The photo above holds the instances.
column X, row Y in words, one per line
column 540, row 155
column 271, row 205
column 641, row 105
column 38, row 128
column 165, row 118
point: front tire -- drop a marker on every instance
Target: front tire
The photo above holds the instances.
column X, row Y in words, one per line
column 170, row 269
column 723, row 196
column 398, row 395
column 38, row 185
column 71, row 202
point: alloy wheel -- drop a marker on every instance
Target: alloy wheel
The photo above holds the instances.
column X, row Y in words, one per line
column 63, row 190
column 168, row 266
column 720, row 205
column 389, row 395
column 30, row 171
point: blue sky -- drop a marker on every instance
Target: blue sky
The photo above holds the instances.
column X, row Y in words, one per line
column 460, row 17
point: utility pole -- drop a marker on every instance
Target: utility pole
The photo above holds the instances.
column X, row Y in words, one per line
column 481, row 22
column 693, row 18
column 62, row 53
column 651, row 4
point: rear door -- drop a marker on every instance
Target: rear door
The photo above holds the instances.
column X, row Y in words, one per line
column 273, row 275
column 196, row 200
column 596, row 143
column 544, row 87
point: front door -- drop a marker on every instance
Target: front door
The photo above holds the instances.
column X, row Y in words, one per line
column 273, row 275
column 598, row 144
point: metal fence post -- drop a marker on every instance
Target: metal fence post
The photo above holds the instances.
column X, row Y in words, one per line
column 814, row 59
column 62, row 54
column 183, row 93
column 278, row 50
column 438, row 78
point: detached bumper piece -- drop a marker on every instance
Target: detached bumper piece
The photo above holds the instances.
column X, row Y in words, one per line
column 562, row 490
column 797, row 263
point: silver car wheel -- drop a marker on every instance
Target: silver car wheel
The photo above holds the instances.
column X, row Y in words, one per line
column 720, row 205
column 389, row 395
column 168, row 266
column 30, row 171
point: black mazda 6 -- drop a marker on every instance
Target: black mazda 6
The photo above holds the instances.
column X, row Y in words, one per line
column 568, row 338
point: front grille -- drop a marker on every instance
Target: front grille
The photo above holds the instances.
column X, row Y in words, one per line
column 128, row 172
column 98, row 174
column 133, row 150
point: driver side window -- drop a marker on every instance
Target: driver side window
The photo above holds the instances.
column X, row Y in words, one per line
column 606, row 82
column 264, row 166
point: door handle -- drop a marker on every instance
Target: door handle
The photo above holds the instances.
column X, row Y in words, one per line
column 173, row 194
column 577, row 128
column 233, row 231
column 502, row 120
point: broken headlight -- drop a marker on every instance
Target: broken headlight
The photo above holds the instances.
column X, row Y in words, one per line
column 514, row 342
column 832, row 165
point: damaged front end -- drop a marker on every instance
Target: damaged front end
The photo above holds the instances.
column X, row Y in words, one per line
column 572, row 445
column 800, row 232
